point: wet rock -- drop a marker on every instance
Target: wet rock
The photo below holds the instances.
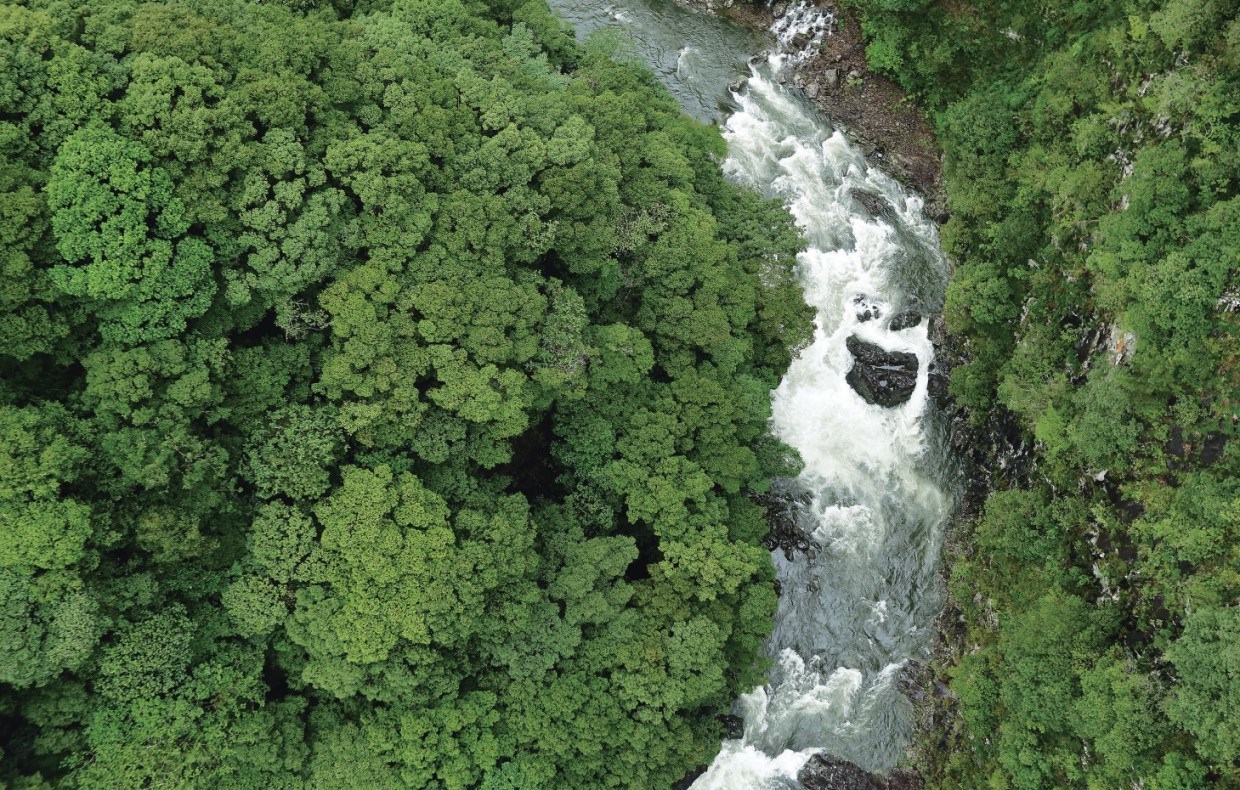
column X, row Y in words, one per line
column 832, row 77
column 936, row 388
column 905, row 320
column 812, row 91
column 904, row 779
column 779, row 9
column 944, row 348
column 829, row 773
column 873, row 204
column 784, row 530
column 690, row 778
column 915, row 677
column 801, row 40
column 738, row 84
column 733, row 726
column 824, row 772
column 865, row 309
column 881, row 377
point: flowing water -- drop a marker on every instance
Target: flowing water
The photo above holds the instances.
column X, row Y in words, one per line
column 861, row 603
column 696, row 56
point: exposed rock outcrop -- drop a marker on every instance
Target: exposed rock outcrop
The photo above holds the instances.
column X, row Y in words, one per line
column 828, row 773
column 784, row 525
column 824, row 772
column 875, row 205
column 866, row 309
column 905, row 320
column 885, row 378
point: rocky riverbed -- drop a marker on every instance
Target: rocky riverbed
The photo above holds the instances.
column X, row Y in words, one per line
column 895, row 135
column 873, row 110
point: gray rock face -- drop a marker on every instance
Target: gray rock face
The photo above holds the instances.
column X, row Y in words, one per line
column 828, row 773
column 785, row 531
column 885, row 378
column 873, row 204
column 905, row 320
column 823, row 772
column 936, row 388
column 866, row 309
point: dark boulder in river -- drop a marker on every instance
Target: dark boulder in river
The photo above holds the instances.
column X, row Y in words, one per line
column 875, row 205
column 824, row 772
column 885, row 378
column 828, row 773
column 905, row 320
column 866, row 308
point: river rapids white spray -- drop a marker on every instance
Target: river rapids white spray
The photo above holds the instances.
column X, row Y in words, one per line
column 862, row 602
column 853, row 611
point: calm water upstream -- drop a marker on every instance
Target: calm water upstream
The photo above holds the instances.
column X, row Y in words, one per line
column 856, row 609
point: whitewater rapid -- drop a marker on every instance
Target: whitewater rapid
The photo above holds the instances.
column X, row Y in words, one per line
column 851, row 615
column 861, row 604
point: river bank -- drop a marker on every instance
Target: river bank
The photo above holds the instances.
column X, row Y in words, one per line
column 858, row 588
column 895, row 135
column 873, row 110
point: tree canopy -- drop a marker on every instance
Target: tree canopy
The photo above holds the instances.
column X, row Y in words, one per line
column 383, row 389
column 1090, row 153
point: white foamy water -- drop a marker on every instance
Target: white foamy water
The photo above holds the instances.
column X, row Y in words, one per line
column 852, row 614
column 694, row 55
column 862, row 602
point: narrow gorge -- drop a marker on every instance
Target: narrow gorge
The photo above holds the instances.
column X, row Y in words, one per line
column 860, row 594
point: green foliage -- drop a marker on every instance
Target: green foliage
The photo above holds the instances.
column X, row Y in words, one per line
column 1205, row 658
column 1088, row 154
column 381, row 389
column 116, row 220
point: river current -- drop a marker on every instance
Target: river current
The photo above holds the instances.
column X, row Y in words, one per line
column 878, row 482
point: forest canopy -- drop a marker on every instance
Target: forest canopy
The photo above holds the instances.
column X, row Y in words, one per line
column 383, row 394
column 1092, row 166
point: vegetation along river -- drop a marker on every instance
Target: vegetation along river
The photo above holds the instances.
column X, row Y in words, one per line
column 878, row 485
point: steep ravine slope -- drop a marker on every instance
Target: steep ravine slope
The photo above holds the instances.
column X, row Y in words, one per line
column 1092, row 192
column 1093, row 188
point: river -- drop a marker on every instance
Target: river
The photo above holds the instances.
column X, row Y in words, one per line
column 880, row 481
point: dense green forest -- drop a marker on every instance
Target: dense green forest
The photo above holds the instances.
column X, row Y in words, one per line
column 383, row 402
column 1092, row 165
